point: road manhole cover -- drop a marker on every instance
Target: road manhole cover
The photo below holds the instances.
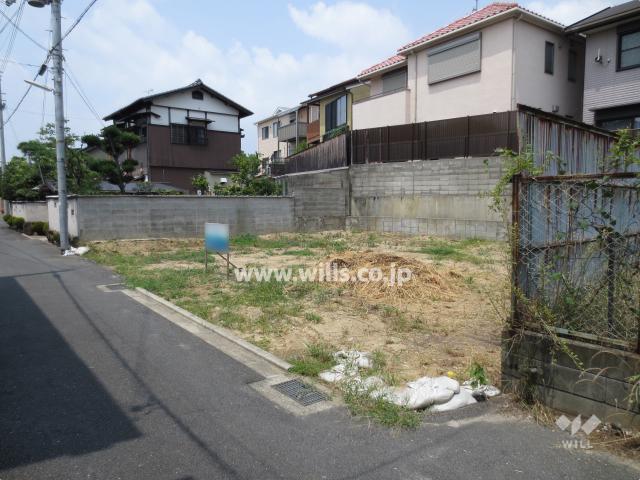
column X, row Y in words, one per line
column 302, row 393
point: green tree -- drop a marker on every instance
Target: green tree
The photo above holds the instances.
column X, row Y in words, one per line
column 116, row 143
column 200, row 182
column 246, row 181
column 37, row 165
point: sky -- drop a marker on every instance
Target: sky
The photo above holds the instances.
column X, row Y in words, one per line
column 261, row 54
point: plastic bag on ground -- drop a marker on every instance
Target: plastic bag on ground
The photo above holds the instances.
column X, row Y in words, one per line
column 459, row 400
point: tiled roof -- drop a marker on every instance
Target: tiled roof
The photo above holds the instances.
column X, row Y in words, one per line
column 389, row 62
column 483, row 14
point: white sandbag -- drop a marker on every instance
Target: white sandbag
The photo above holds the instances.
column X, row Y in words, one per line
column 424, row 392
column 334, row 374
column 75, row 251
column 354, row 357
column 459, row 400
column 488, row 390
column 441, row 382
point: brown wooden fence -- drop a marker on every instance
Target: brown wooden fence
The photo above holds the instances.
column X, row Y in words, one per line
column 332, row 153
column 479, row 135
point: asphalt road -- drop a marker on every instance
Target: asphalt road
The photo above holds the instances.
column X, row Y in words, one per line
column 94, row 385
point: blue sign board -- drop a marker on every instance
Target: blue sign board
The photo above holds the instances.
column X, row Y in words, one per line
column 216, row 237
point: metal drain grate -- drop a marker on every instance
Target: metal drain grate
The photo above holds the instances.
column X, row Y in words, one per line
column 115, row 287
column 302, row 393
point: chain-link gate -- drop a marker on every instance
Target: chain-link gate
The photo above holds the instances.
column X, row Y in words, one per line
column 576, row 250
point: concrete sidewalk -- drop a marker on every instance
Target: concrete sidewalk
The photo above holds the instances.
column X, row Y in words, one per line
column 96, row 385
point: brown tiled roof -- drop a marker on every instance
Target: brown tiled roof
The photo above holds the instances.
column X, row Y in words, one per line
column 483, row 14
column 389, row 62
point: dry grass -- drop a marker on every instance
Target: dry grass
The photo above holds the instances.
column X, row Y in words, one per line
column 447, row 316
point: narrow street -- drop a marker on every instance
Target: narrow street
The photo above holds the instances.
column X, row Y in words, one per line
column 95, row 385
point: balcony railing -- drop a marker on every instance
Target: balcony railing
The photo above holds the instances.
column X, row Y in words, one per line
column 292, row 131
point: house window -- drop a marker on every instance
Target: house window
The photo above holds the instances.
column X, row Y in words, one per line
column 188, row 134
column 454, row 59
column 197, row 135
column 394, row 80
column 336, row 113
column 197, row 95
column 274, row 128
column 179, row 134
column 549, row 57
column 618, row 118
column 573, row 66
column 629, row 48
column 265, row 132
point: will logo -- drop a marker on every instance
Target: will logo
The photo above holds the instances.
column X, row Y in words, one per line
column 575, row 426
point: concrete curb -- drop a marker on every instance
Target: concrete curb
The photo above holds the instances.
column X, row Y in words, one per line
column 223, row 332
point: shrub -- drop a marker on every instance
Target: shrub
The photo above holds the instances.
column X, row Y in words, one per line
column 7, row 218
column 39, row 228
column 18, row 223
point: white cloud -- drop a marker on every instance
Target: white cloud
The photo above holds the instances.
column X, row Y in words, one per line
column 351, row 25
column 126, row 47
column 569, row 11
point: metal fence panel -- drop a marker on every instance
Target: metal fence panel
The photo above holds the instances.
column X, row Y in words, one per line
column 577, row 256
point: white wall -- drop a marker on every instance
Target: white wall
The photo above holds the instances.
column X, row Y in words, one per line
column 478, row 93
column 225, row 118
column 270, row 145
column 30, row 211
column 538, row 89
column 72, row 215
column 604, row 87
column 184, row 100
column 382, row 110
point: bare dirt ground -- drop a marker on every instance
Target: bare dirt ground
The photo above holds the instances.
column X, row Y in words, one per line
column 447, row 316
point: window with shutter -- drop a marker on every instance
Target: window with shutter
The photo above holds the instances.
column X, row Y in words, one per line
column 454, row 59
column 394, row 81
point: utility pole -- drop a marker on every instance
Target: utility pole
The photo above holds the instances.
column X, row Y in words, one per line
column 3, row 157
column 56, row 24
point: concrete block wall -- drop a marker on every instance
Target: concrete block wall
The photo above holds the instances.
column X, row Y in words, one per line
column 120, row 217
column 531, row 360
column 30, row 211
column 434, row 197
column 321, row 199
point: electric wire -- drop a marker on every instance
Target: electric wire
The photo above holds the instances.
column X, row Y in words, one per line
column 80, row 91
column 15, row 24
column 12, row 39
column 46, row 61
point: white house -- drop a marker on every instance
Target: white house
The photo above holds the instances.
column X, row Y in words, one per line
column 489, row 61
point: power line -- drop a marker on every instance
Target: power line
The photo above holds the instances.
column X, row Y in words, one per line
column 78, row 88
column 49, row 53
column 71, row 28
column 35, row 42
column 12, row 39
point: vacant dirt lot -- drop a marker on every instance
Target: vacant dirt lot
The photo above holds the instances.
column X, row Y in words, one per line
column 447, row 316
